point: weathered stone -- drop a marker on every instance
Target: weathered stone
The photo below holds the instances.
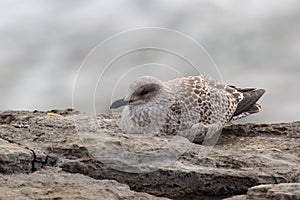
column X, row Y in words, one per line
column 55, row 184
column 283, row 191
column 244, row 156
column 14, row 158
column 286, row 129
column 237, row 197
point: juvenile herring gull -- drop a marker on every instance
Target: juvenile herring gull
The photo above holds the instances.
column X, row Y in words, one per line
column 154, row 106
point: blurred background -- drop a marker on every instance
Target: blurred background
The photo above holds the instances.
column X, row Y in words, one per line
column 43, row 44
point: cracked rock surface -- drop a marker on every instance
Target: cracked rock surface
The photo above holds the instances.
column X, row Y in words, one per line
column 55, row 184
column 89, row 149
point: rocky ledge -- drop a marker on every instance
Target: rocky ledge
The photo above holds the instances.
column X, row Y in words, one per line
column 62, row 154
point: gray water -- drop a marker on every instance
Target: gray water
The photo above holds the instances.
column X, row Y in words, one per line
column 43, row 44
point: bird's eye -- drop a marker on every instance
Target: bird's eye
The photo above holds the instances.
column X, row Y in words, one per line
column 144, row 92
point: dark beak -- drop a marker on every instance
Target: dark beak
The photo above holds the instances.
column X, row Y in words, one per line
column 118, row 103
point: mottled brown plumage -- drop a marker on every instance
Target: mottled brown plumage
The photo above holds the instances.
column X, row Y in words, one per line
column 153, row 106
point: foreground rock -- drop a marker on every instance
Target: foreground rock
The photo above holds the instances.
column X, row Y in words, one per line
column 288, row 191
column 244, row 155
column 54, row 184
column 15, row 158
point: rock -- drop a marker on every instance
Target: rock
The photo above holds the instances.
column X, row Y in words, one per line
column 237, row 197
column 55, row 184
column 14, row 158
column 287, row 129
column 245, row 155
column 283, row 191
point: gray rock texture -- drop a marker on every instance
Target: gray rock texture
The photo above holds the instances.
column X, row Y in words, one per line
column 57, row 143
column 55, row 184
column 288, row 191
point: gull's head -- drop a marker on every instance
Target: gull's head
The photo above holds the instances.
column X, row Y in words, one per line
column 141, row 91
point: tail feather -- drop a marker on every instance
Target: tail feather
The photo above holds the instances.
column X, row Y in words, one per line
column 248, row 103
